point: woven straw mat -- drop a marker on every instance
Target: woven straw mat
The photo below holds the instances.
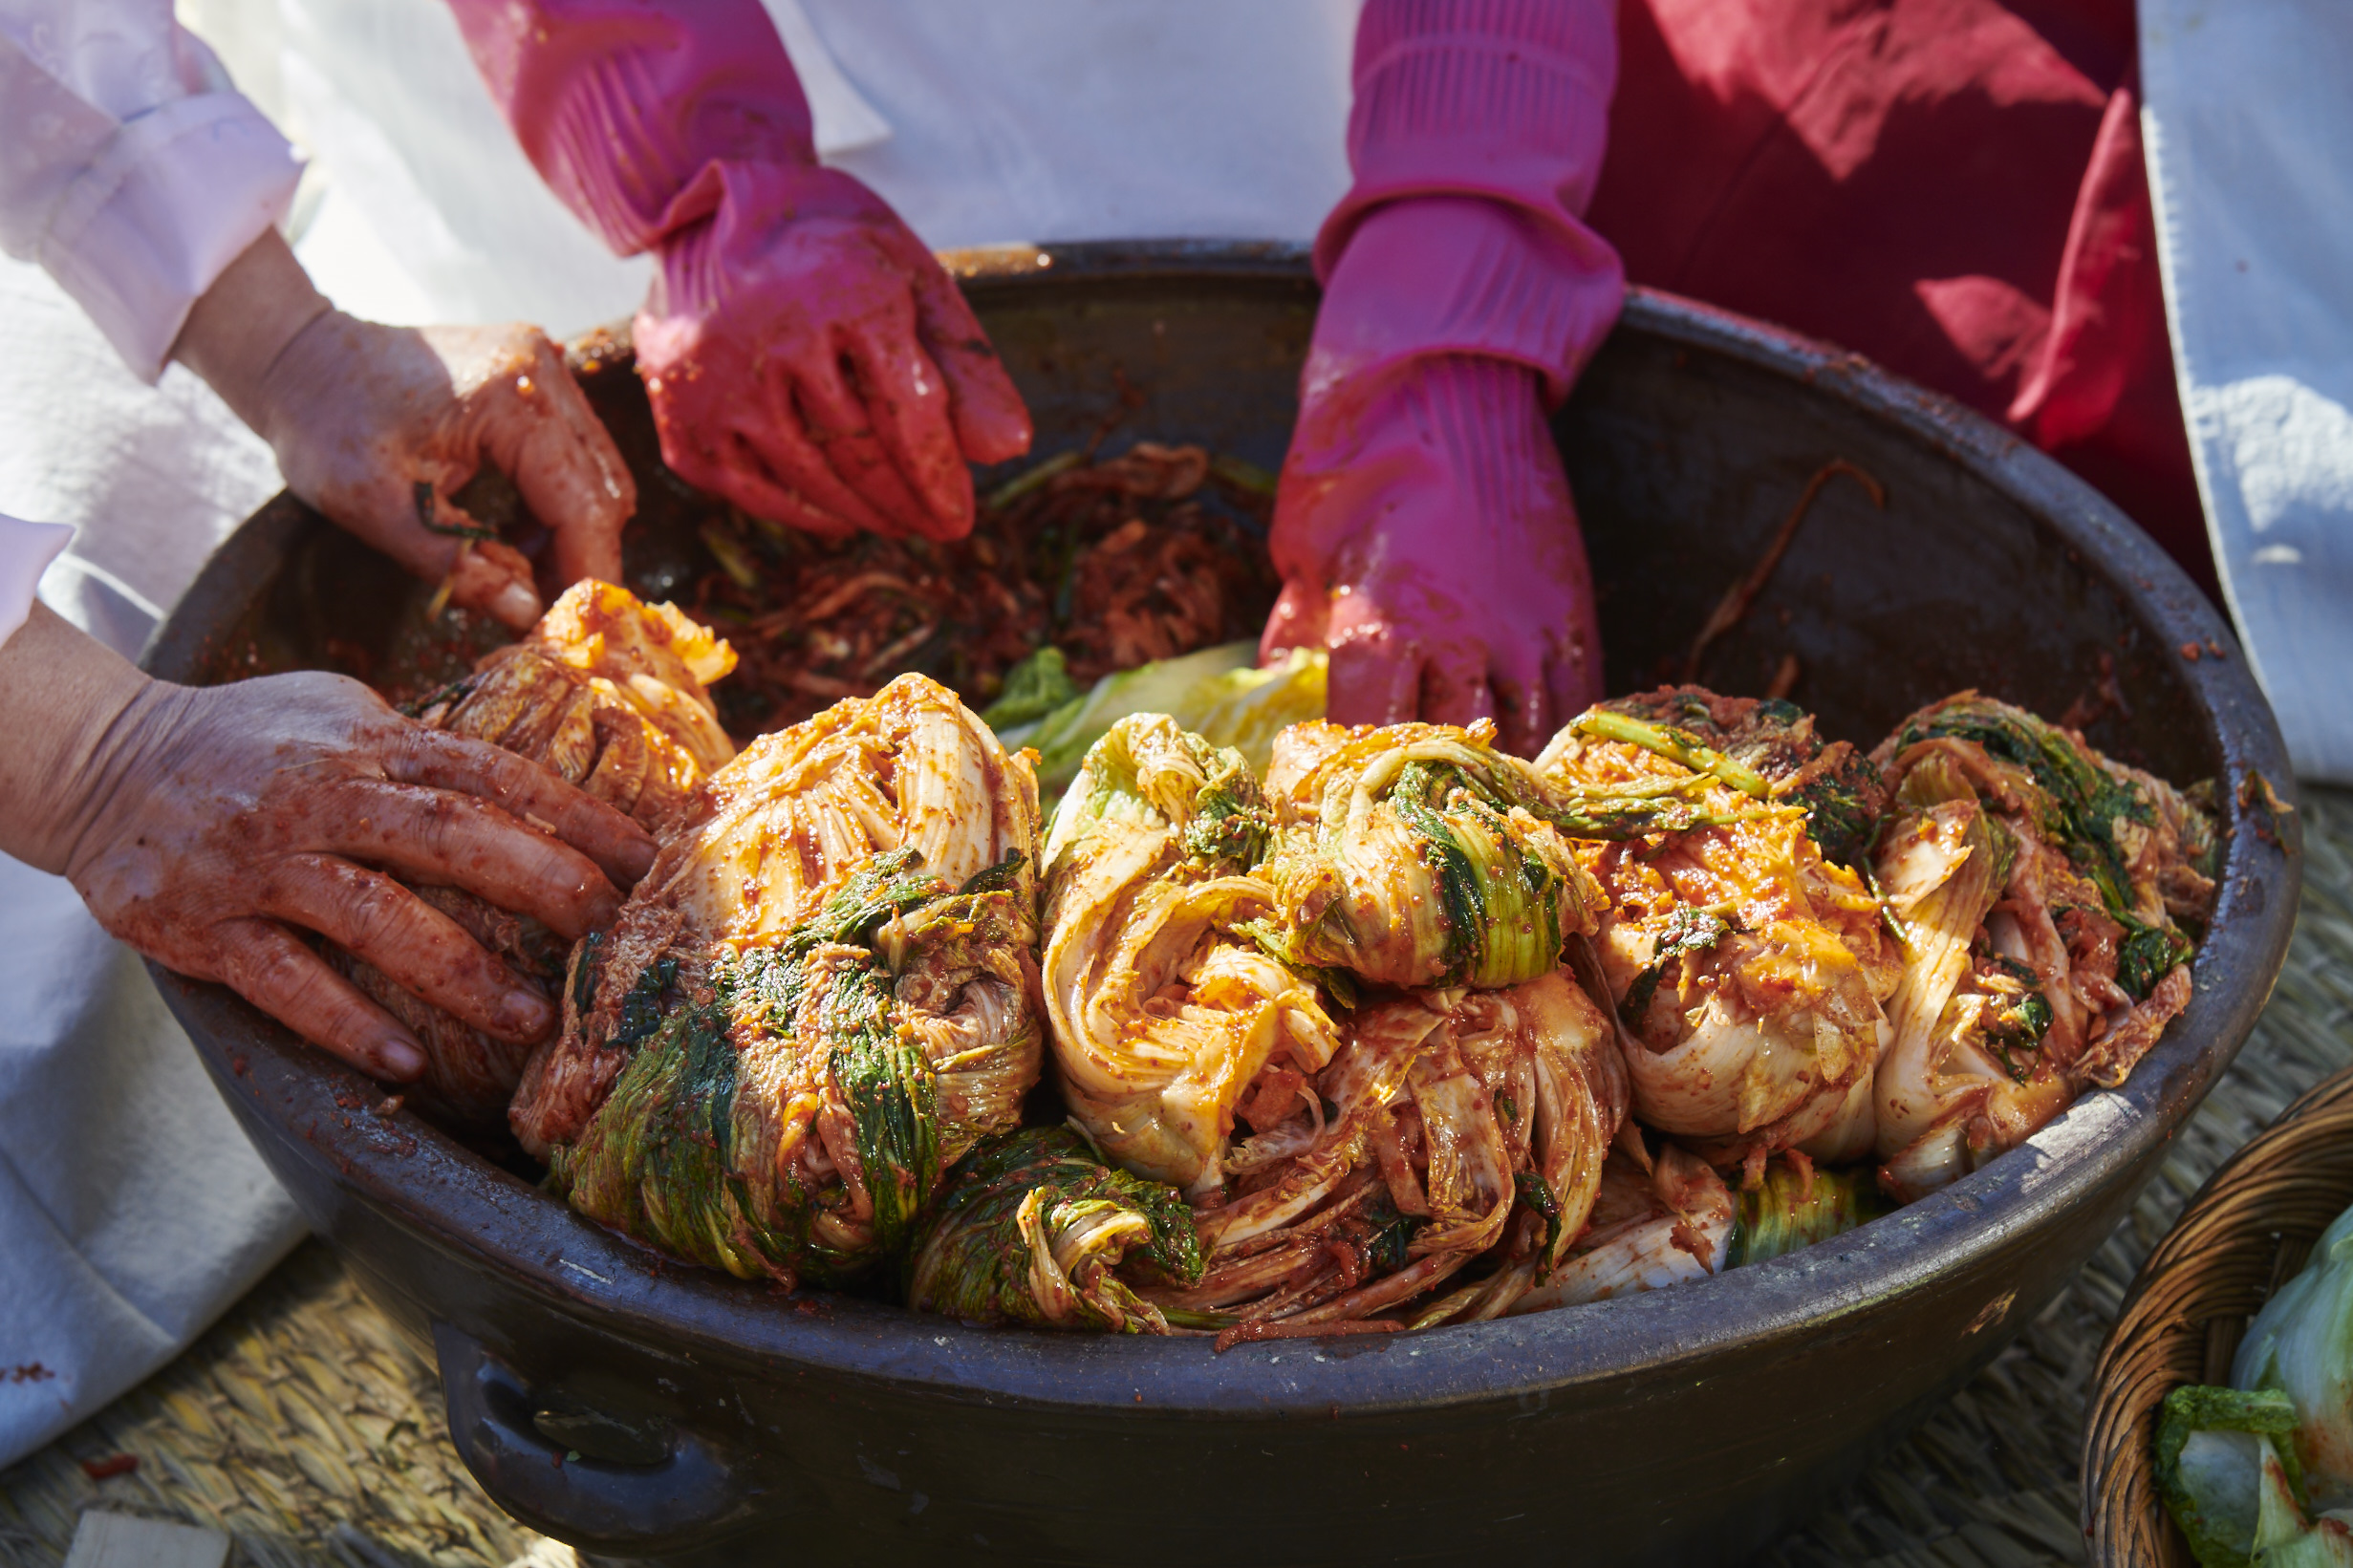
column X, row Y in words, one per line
column 303, row 1427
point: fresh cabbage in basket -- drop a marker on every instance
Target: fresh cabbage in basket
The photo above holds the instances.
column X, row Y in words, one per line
column 2260, row 1475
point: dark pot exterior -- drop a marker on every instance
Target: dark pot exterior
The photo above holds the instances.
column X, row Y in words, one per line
column 634, row 1407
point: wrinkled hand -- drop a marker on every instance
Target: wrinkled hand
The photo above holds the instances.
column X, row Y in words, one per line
column 232, row 813
column 808, row 359
column 379, row 426
column 1425, row 533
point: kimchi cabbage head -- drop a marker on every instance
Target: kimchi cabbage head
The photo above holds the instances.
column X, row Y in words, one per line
column 2048, row 900
column 609, row 694
column 1419, row 854
column 1748, row 966
column 1166, row 1008
column 1453, row 1125
column 1033, row 1228
column 768, row 840
column 820, row 997
column 794, row 1107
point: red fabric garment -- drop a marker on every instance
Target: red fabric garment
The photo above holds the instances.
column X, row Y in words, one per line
column 1954, row 188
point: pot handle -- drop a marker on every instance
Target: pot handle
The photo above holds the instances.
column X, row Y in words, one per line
column 653, row 1489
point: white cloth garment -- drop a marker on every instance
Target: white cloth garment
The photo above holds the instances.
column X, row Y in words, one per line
column 1017, row 122
column 130, row 168
column 2248, row 122
column 132, row 1211
column 25, row 549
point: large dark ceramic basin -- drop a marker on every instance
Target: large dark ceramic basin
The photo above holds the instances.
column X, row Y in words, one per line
column 726, row 1422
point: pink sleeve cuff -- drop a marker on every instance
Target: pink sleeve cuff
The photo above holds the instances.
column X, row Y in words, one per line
column 1463, row 276
column 1507, row 99
column 1475, row 138
column 622, row 105
column 174, row 197
column 25, row 549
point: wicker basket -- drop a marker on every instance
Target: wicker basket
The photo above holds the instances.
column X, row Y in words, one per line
column 2248, row 1230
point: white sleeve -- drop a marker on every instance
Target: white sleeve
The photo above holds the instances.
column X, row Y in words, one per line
column 25, row 549
column 129, row 167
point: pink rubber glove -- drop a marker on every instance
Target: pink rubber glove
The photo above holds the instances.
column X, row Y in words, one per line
column 807, row 356
column 1424, row 528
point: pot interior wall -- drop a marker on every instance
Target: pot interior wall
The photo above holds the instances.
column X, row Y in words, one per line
column 1684, row 463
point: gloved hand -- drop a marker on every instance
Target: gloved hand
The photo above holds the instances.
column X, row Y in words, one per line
column 806, row 356
column 811, row 361
column 1423, row 527
column 378, row 426
column 201, row 823
column 1425, row 534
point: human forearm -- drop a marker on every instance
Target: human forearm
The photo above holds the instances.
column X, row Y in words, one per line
column 66, row 704
column 240, row 329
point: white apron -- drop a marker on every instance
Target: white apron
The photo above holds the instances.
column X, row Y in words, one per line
column 1033, row 120
column 2248, row 124
column 132, row 1211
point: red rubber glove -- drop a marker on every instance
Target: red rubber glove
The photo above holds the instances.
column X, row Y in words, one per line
column 808, row 358
column 1424, row 529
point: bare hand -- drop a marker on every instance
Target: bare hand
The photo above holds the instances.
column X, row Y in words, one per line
column 226, row 815
column 379, row 426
